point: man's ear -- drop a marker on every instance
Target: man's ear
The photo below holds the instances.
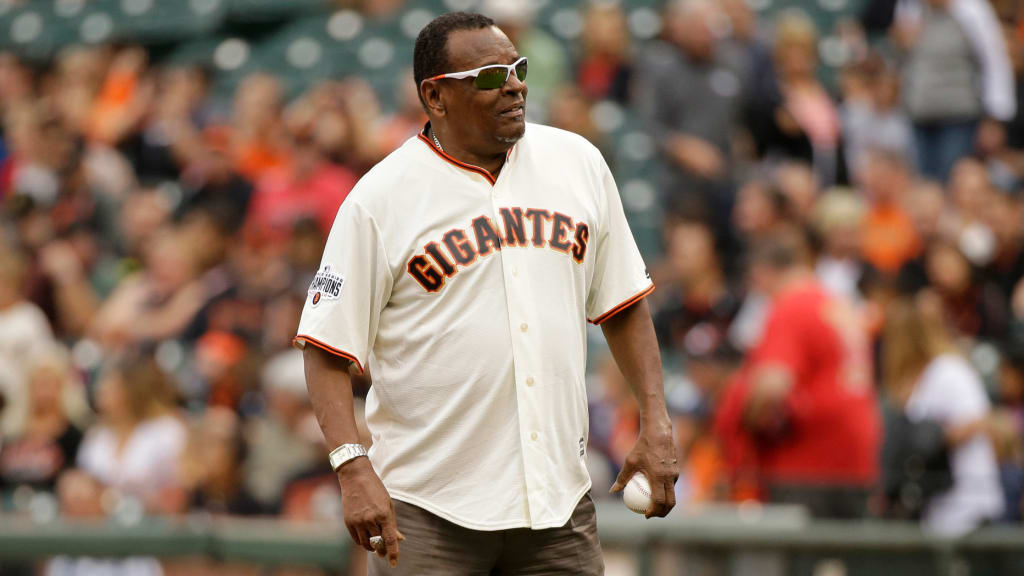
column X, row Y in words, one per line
column 430, row 91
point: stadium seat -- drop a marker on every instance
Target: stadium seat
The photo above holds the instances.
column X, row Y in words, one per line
column 153, row 21
column 38, row 31
column 273, row 10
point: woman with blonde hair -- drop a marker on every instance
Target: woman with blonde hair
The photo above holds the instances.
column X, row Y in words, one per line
column 794, row 117
column 50, row 419
column 932, row 382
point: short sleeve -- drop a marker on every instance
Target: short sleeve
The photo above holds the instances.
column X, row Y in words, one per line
column 350, row 289
column 620, row 277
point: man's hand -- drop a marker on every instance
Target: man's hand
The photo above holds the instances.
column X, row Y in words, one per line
column 368, row 509
column 654, row 454
column 630, row 336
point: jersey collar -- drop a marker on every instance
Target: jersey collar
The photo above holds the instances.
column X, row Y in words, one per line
column 423, row 135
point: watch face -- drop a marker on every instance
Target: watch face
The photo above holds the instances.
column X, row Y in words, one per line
column 344, row 453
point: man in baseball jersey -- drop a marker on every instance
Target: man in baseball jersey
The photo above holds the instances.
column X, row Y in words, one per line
column 462, row 270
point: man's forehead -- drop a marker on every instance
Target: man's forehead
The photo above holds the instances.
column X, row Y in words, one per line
column 468, row 49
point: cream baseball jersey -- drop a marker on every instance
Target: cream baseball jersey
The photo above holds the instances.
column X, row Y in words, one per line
column 468, row 297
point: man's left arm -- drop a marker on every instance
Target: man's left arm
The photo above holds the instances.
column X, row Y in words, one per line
column 630, row 336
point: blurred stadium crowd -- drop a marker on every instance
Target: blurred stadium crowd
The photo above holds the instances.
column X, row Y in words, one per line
column 169, row 170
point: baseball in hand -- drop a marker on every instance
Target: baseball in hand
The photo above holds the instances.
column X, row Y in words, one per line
column 637, row 494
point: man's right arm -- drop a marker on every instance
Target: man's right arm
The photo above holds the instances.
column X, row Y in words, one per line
column 366, row 504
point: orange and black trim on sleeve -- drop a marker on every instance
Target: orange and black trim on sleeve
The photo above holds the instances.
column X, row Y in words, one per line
column 447, row 158
column 302, row 340
column 626, row 304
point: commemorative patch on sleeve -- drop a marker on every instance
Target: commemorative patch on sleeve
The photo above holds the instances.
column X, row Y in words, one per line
column 326, row 285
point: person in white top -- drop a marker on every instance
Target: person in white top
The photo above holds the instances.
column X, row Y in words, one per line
column 461, row 270
column 23, row 329
column 136, row 446
column 933, row 383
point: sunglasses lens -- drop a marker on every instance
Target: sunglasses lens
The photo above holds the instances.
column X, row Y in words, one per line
column 491, row 78
column 521, row 71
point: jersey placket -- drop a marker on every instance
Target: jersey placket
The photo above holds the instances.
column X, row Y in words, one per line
column 528, row 381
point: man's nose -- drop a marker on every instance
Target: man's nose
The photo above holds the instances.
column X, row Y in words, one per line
column 514, row 84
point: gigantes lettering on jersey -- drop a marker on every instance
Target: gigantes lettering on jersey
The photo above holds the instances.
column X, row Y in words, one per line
column 519, row 228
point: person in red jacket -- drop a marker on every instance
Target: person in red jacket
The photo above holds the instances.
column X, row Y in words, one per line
column 800, row 422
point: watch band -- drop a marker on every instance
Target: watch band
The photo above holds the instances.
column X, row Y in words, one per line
column 344, row 453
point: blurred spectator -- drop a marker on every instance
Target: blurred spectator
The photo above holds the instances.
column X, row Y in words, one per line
column 122, row 99
column 38, row 148
column 377, row 9
column 927, row 207
column 23, row 326
column 1008, row 431
column 79, row 74
column 798, row 183
column 1004, row 215
column 890, row 239
column 136, row 446
column 800, row 420
column 930, row 381
column 258, row 141
column 158, row 302
column 604, row 68
column 934, row 221
column 15, row 81
column 212, row 465
column 839, row 220
column 957, row 72
column 872, row 116
column 1013, row 131
column 77, row 272
column 761, row 209
column 696, row 305
column 750, row 53
column 549, row 67
column 169, row 136
column 347, row 115
column 999, row 142
column 878, row 16
column 278, row 446
column 971, row 308
column 52, row 425
column 796, row 117
column 309, row 185
column 1016, row 336
column 211, row 183
column 687, row 96
column 219, row 361
column 971, row 192
column 570, row 110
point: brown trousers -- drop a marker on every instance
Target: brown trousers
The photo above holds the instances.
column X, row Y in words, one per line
column 433, row 545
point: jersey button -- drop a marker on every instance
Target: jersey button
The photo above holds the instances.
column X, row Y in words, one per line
column 533, row 435
column 529, row 380
column 523, row 327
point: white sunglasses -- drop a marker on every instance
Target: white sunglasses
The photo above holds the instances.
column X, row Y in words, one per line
column 489, row 77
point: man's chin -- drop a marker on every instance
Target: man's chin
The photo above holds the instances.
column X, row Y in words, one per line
column 511, row 134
